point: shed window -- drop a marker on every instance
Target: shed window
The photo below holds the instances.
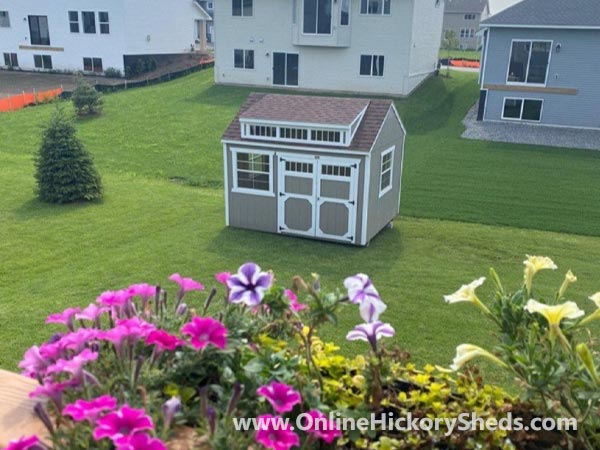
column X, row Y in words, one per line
column 387, row 166
column 522, row 109
column 529, row 62
column 253, row 171
column 262, row 131
column 325, row 136
column 335, row 171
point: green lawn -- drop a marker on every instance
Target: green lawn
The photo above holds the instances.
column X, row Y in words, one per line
column 155, row 145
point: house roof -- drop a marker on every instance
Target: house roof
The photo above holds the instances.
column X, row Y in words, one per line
column 364, row 137
column 465, row 6
column 306, row 109
column 548, row 14
column 500, row 5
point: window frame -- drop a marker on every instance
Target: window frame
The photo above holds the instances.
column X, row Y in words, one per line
column 470, row 16
column 371, row 66
column 241, row 14
column 285, row 69
column 383, row 13
column 245, row 53
column 37, row 22
column 349, row 3
column 382, row 172
column 6, row 19
column 93, row 61
column 73, row 23
column 43, row 59
column 88, row 14
column 523, row 100
column 331, row 19
column 531, row 41
column 103, row 24
column 13, row 59
column 234, row 166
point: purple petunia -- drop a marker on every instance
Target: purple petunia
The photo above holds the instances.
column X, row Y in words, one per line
column 64, row 318
column 89, row 409
column 360, row 288
column 248, row 285
column 371, row 332
column 120, row 425
column 274, row 434
column 280, row 395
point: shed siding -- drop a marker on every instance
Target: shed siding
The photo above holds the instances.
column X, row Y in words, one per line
column 575, row 66
column 382, row 210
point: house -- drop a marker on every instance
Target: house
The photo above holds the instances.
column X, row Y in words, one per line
column 385, row 47
column 318, row 167
column 463, row 17
column 540, row 64
column 209, row 7
column 91, row 36
column 500, row 5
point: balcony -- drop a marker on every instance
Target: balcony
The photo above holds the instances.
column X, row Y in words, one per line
column 321, row 23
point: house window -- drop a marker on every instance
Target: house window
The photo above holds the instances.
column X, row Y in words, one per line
column 470, row 16
column 10, row 60
column 89, row 22
column 252, row 172
column 74, row 21
column 104, row 24
column 317, row 16
column 92, row 65
column 285, row 69
column 371, row 65
column 38, row 29
column 387, row 167
column 345, row 12
column 243, row 59
column 375, row 7
column 529, row 62
column 209, row 5
column 42, row 61
column 522, row 109
column 241, row 8
column 4, row 19
column 467, row 33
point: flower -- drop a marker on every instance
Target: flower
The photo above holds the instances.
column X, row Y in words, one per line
column 569, row 279
column 52, row 390
column 33, row 364
column 113, row 298
column 92, row 313
column 204, row 331
column 89, row 409
column 248, row 285
column 75, row 341
column 25, row 443
column 533, row 264
column 274, row 434
column 169, row 409
column 360, row 288
column 281, row 396
column 143, row 290
column 586, row 357
column 185, row 285
column 370, row 309
column 466, row 293
column 596, row 314
column 554, row 314
column 466, row 352
column 164, row 341
column 320, row 426
column 65, row 318
column 223, row 277
column 140, row 441
column 128, row 331
column 75, row 365
column 371, row 332
column 122, row 424
column 294, row 305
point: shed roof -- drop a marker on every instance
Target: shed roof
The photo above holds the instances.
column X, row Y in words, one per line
column 465, row 6
column 364, row 137
column 549, row 14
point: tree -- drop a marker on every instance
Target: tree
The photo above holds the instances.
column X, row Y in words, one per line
column 65, row 171
column 450, row 43
column 86, row 99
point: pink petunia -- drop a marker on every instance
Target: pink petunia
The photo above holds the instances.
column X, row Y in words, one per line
column 120, row 425
column 78, row 340
column 25, row 443
column 321, row 426
column 34, row 365
column 114, row 298
column 143, row 290
column 140, row 441
column 204, row 331
column 64, row 318
column 294, row 305
column 128, row 332
column 274, row 434
column 223, row 277
column 164, row 341
column 281, row 396
column 186, row 284
column 89, row 410
column 52, row 390
column 92, row 312
column 74, row 366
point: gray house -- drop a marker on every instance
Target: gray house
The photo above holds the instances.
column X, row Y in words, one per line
column 318, row 167
column 463, row 17
column 540, row 64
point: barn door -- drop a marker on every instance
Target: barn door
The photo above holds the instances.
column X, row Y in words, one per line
column 336, row 199
column 297, row 194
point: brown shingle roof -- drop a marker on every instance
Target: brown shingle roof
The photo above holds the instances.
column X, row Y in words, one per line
column 363, row 138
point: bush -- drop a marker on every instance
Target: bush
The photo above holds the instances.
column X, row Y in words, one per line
column 112, row 72
column 139, row 66
column 65, row 171
column 86, row 99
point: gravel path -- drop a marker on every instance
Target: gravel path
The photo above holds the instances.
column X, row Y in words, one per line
column 522, row 133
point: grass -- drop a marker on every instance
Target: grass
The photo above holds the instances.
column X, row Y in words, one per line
column 155, row 145
column 461, row 54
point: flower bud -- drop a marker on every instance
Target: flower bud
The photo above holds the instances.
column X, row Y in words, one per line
column 588, row 361
column 238, row 388
column 40, row 411
column 212, row 419
column 169, row 409
column 182, row 309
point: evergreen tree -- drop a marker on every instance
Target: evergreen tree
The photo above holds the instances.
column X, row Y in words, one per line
column 86, row 99
column 65, row 171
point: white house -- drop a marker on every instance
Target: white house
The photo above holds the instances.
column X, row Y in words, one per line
column 368, row 46
column 93, row 35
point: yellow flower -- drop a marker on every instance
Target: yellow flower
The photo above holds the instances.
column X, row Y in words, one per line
column 596, row 314
column 466, row 352
column 595, row 298
column 569, row 279
column 533, row 264
column 554, row 314
column 466, row 293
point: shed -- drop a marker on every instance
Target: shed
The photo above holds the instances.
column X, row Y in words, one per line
column 318, row 167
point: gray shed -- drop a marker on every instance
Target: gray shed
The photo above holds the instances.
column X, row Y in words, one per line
column 319, row 167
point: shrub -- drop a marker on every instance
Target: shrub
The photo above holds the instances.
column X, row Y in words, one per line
column 112, row 72
column 86, row 99
column 139, row 66
column 65, row 171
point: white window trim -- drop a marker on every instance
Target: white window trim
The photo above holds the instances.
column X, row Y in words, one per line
column 349, row 11
column 241, row 190
column 244, row 131
column 387, row 189
column 286, row 86
column 242, row 15
column 244, row 50
column 331, row 24
column 373, row 14
column 520, row 119
column 525, row 83
column 371, row 75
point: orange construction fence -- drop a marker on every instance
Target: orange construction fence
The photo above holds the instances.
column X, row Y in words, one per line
column 27, row 99
column 465, row 63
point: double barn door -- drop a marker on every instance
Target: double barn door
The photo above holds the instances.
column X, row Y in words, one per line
column 317, row 196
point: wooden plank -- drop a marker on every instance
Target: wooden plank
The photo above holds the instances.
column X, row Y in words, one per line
column 534, row 89
column 16, row 408
column 43, row 48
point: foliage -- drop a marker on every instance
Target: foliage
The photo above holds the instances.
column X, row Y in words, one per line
column 86, row 99
column 65, row 171
column 140, row 66
column 112, row 72
column 546, row 345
